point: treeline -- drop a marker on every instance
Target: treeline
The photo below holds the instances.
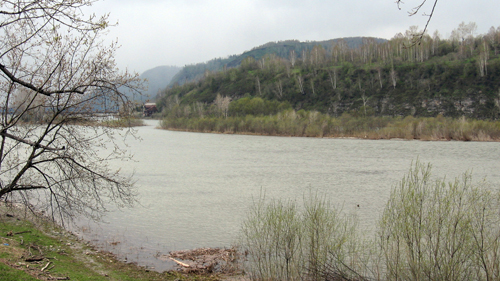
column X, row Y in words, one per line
column 457, row 76
column 196, row 72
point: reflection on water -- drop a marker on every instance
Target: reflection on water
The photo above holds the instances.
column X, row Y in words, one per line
column 195, row 188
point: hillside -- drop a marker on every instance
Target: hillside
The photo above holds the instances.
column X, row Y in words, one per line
column 280, row 49
column 459, row 76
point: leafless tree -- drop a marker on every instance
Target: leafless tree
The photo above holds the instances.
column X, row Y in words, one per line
column 333, row 78
column 222, row 104
column 56, row 72
column 293, row 57
column 257, row 85
column 301, row 84
column 279, row 89
column 393, row 77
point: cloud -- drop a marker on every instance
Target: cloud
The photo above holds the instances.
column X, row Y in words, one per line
column 180, row 32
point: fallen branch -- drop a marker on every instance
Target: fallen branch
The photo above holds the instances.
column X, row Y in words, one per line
column 47, row 265
column 206, row 260
column 180, row 263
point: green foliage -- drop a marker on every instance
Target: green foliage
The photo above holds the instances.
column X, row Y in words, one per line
column 279, row 49
column 438, row 230
column 286, row 241
column 256, row 106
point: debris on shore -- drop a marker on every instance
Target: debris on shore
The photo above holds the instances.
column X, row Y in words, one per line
column 206, row 260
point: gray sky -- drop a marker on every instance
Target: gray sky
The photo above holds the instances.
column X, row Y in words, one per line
column 180, row 32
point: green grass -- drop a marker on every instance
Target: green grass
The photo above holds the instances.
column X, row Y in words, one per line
column 10, row 274
column 68, row 256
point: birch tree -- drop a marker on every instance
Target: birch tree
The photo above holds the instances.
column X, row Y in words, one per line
column 222, row 104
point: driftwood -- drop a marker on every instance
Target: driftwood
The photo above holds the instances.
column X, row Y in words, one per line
column 46, row 266
column 206, row 260
column 180, row 263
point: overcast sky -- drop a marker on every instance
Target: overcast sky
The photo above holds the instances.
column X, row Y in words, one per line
column 180, row 32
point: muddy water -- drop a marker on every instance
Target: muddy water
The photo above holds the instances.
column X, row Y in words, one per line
column 196, row 188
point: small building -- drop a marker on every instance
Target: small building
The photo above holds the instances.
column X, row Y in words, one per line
column 149, row 109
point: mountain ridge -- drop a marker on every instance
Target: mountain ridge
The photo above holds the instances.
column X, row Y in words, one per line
column 281, row 49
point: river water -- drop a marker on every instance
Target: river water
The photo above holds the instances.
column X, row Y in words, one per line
column 196, row 188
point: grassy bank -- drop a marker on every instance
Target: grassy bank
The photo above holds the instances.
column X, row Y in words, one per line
column 37, row 250
column 314, row 124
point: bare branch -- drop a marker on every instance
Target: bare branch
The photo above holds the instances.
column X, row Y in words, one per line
column 27, row 187
column 36, row 89
column 418, row 37
column 36, row 145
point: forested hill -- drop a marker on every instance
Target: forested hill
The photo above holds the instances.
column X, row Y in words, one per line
column 280, row 49
column 456, row 76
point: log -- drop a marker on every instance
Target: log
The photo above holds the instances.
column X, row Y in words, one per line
column 180, row 263
column 47, row 265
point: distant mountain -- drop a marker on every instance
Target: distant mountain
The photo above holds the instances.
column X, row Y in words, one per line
column 281, row 49
column 157, row 79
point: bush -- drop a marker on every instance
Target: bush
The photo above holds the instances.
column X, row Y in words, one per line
column 433, row 230
column 429, row 230
column 285, row 241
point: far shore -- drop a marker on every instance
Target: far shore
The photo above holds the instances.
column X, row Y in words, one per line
column 366, row 137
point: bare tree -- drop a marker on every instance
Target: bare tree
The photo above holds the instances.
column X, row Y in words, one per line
column 293, row 57
column 257, row 85
column 222, row 104
column 55, row 74
column 301, row 84
column 484, row 55
column 279, row 89
column 393, row 77
column 379, row 72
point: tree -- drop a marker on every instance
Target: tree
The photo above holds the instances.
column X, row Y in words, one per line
column 222, row 104
column 55, row 74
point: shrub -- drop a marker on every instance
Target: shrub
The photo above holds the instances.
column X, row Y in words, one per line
column 285, row 241
column 429, row 230
column 433, row 230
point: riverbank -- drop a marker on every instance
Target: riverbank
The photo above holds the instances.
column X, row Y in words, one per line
column 315, row 124
column 32, row 248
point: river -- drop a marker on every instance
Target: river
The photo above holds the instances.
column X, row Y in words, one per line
column 196, row 188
